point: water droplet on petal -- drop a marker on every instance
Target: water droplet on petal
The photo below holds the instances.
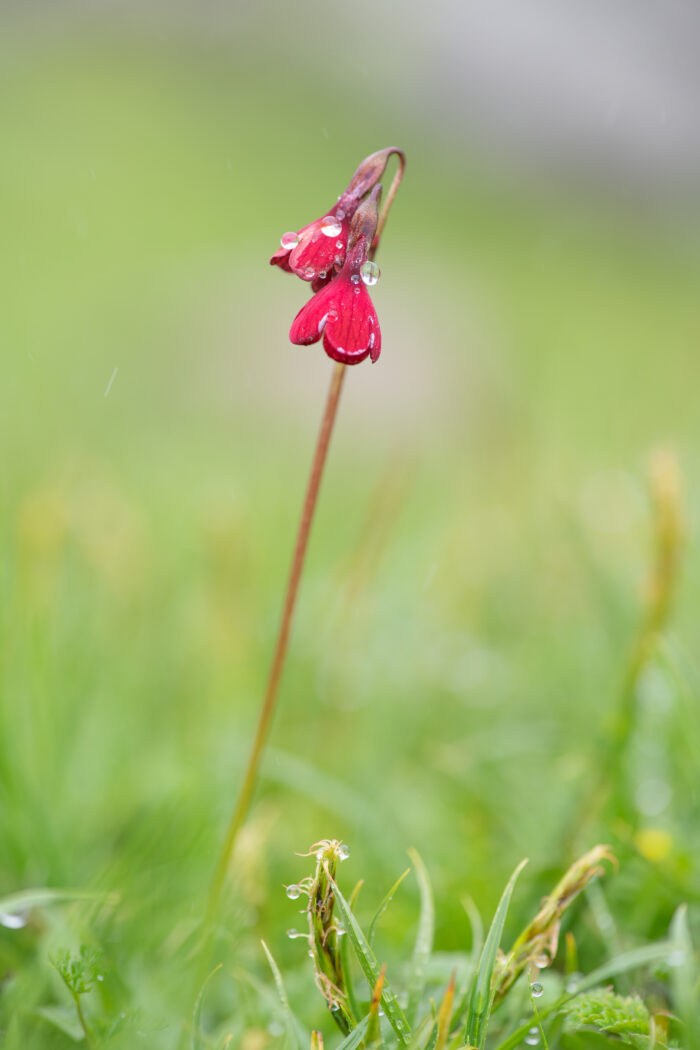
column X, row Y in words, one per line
column 340, row 213
column 355, row 278
column 289, row 241
column 339, row 245
column 293, row 891
column 536, row 989
column 343, row 851
column 370, row 272
column 323, row 274
column 331, row 227
column 533, row 1037
column 356, row 290
column 13, row 920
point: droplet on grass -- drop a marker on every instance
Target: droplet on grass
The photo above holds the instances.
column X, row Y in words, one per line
column 533, row 1036
column 13, row 920
column 536, row 989
column 293, row 891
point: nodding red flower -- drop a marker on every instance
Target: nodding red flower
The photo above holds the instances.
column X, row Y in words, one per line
column 342, row 310
column 317, row 252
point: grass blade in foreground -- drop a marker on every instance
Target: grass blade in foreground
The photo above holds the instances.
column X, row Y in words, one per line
column 294, row 1030
column 424, row 938
column 384, row 905
column 371, row 969
column 198, row 1040
column 481, row 999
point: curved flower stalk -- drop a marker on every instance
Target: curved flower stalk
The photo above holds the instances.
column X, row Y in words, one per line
column 341, row 311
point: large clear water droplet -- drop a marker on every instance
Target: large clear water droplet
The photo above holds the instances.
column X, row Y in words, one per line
column 289, row 241
column 331, row 227
column 533, row 1037
column 536, row 989
column 343, row 851
column 293, row 891
column 370, row 272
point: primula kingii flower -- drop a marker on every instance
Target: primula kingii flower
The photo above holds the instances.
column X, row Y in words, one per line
column 317, row 252
column 342, row 311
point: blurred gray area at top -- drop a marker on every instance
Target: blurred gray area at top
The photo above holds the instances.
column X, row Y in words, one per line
column 607, row 91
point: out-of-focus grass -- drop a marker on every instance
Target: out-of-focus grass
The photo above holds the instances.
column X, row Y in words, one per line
column 447, row 693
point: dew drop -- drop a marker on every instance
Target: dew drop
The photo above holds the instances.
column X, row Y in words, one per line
column 339, row 245
column 293, row 891
column 289, row 241
column 13, row 920
column 533, row 1037
column 356, row 290
column 100, row 977
column 331, row 227
column 323, row 274
column 294, row 934
column 370, row 272
column 355, row 278
column 343, row 851
column 536, row 989
column 340, row 213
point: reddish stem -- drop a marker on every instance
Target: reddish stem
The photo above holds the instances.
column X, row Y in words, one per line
column 268, row 707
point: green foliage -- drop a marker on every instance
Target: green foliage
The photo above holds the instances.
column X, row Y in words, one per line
column 603, row 1009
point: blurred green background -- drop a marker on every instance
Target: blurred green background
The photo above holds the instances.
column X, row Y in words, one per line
column 477, row 564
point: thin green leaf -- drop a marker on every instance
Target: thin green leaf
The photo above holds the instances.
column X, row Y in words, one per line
column 345, row 960
column 683, row 976
column 386, row 901
column 356, row 1036
column 477, row 928
column 64, row 1019
column 41, row 898
column 370, row 967
column 296, row 1033
column 424, row 938
column 198, row 1042
column 481, row 999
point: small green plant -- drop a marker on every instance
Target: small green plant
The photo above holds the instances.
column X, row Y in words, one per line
column 484, row 1000
column 79, row 973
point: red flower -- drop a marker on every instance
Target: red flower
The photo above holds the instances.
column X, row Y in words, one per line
column 317, row 251
column 342, row 310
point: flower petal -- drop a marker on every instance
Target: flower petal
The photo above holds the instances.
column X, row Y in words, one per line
column 352, row 331
column 309, row 323
column 316, row 253
column 281, row 259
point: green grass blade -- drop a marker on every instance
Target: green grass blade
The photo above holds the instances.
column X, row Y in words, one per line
column 481, row 998
column 198, row 1041
column 684, row 977
column 42, row 898
column 345, row 960
column 386, row 901
column 356, row 1036
column 424, row 938
column 477, row 928
column 297, row 1036
column 370, row 967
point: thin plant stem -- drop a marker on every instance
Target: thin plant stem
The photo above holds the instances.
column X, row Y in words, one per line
column 267, row 710
column 389, row 200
